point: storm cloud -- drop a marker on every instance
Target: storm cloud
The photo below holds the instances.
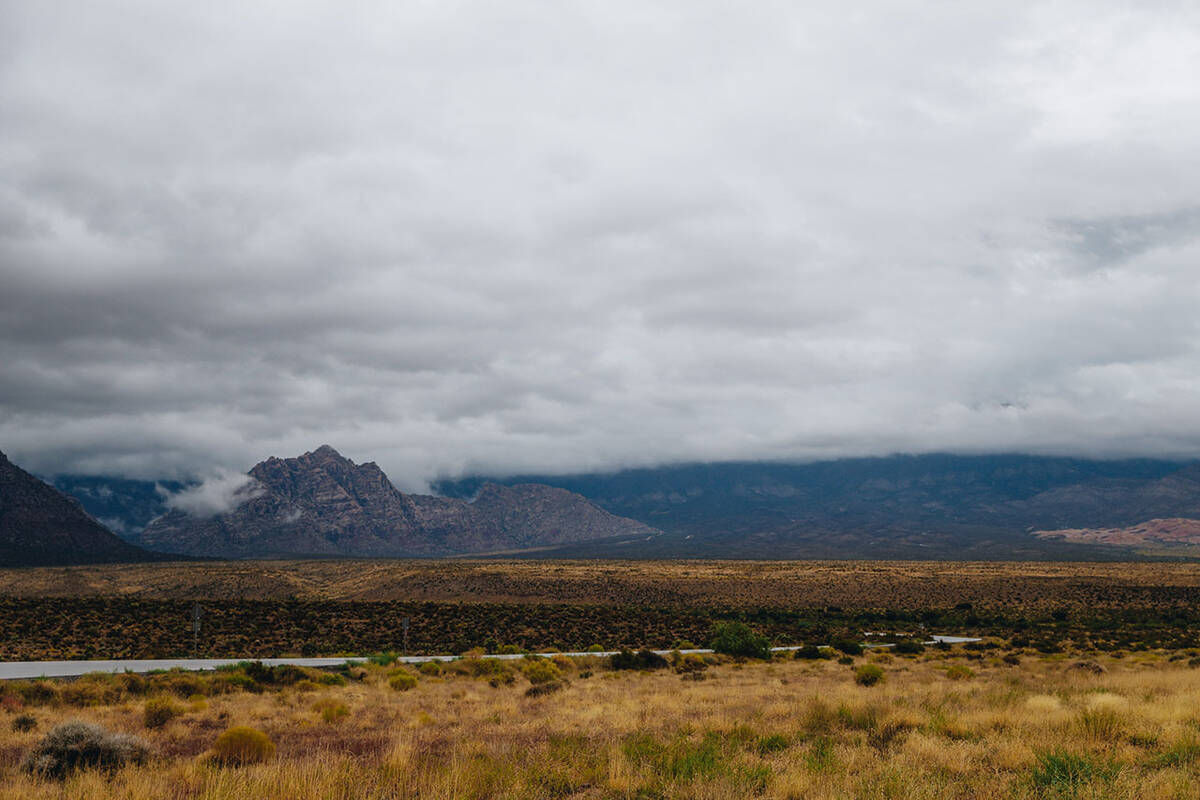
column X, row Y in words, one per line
column 559, row 236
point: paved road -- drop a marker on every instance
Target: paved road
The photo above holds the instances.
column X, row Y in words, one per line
column 14, row 670
column 72, row 669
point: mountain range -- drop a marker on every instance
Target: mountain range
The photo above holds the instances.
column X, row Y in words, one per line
column 323, row 504
column 898, row 507
column 903, row 507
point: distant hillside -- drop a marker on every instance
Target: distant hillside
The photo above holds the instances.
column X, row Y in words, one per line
column 322, row 504
column 40, row 525
column 929, row 506
column 124, row 506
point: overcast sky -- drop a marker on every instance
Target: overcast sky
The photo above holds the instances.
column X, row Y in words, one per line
column 452, row 236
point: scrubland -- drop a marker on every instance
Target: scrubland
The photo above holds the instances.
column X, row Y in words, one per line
column 989, row 722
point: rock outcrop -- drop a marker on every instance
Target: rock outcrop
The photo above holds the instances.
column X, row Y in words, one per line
column 322, row 504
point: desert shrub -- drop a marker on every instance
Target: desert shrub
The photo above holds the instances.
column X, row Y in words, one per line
column 811, row 652
column 241, row 745
column 481, row 667
column 1012, row 659
column 845, row 660
column 596, row 648
column 158, row 711
column 959, row 672
column 690, row 664
column 868, row 675
column 330, row 709
column 684, row 644
column 502, row 679
column 82, row 745
column 909, row 647
column 329, row 678
column 539, row 689
column 564, row 663
column 540, row 671
column 35, row 693
column 402, row 681
column 739, row 639
column 643, row 659
column 382, row 659
column 234, row 680
column 23, row 723
column 509, row 650
column 847, row 646
column 430, row 668
column 132, row 683
column 197, row 702
column 10, row 703
column 181, row 683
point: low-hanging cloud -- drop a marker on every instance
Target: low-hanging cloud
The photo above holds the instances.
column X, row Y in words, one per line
column 218, row 494
column 522, row 237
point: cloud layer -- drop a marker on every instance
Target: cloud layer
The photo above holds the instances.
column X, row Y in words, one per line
column 537, row 236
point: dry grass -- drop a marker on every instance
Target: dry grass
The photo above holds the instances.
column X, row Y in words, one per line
column 786, row 729
column 784, row 584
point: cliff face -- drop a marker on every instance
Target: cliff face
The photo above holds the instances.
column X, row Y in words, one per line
column 40, row 525
column 322, row 504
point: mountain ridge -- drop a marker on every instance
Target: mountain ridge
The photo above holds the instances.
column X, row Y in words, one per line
column 39, row 525
column 321, row 504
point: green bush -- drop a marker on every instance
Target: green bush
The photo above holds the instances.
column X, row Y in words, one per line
column 868, row 675
column 430, row 668
column 739, row 639
column 541, row 671
column 691, row 663
column 402, row 681
column 382, row 659
column 848, row 646
column 643, row 659
column 812, row 652
column 241, row 745
column 82, row 745
column 158, row 711
column 909, row 647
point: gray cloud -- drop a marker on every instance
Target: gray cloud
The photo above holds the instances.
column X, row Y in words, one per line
column 219, row 493
column 557, row 237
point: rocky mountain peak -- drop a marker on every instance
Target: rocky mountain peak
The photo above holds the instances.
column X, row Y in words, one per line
column 322, row 503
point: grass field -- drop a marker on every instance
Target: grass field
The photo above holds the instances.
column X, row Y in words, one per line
column 982, row 724
column 1028, row 586
column 1087, row 684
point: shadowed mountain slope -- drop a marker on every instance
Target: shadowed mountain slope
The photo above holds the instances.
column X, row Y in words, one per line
column 40, row 525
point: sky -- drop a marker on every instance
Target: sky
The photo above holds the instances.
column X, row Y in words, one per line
column 559, row 236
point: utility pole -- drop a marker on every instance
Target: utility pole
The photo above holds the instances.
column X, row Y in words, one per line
column 195, row 628
column 406, row 636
